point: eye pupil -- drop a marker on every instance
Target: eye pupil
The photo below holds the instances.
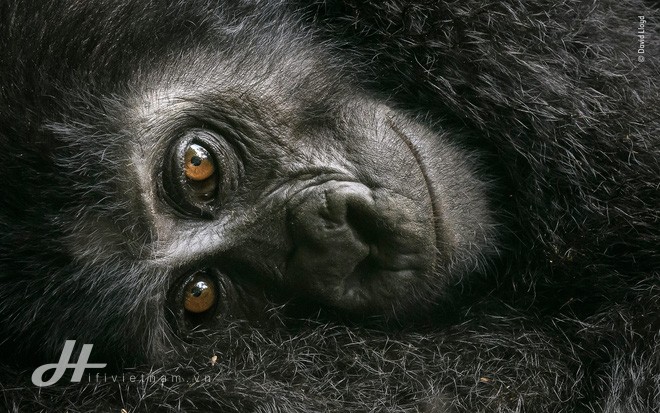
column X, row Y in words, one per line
column 197, row 290
column 196, row 160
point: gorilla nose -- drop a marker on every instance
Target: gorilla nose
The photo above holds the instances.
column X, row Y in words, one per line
column 332, row 227
column 333, row 219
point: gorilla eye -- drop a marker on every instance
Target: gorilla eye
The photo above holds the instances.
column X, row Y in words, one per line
column 200, row 170
column 199, row 294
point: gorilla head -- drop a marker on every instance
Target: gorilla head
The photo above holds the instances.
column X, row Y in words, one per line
column 153, row 193
column 291, row 178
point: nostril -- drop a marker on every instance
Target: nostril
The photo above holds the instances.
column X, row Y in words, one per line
column 364, row 223
column 363, row 218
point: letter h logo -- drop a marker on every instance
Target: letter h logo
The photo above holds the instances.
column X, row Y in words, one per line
column 64, row 363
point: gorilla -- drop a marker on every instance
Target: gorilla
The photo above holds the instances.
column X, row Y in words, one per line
column 336, row 205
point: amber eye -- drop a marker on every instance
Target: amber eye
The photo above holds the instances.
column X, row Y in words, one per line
column 199, row 295
column 200, row 170
column 199, row 165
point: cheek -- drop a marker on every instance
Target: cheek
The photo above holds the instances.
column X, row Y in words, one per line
column 461, row 192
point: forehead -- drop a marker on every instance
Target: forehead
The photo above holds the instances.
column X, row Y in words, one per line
column 48, row 46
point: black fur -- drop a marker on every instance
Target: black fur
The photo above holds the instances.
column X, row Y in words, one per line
column 550, row 95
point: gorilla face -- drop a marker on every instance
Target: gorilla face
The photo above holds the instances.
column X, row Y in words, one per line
column 228, row 179
column 347, row 209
